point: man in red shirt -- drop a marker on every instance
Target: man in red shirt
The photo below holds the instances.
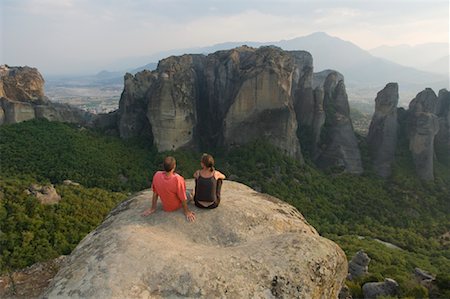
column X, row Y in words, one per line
column 171, row 188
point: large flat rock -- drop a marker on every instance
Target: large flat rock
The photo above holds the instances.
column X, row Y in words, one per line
column 253, row 245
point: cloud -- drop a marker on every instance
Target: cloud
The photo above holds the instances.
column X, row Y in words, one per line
column 64, row 35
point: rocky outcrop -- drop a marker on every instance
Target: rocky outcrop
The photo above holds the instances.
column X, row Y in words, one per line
column 382, row 137
column 31, row 282
column 227, row 98
column 442, row 139
column 263, row 105
column 373, row 290
column 231, row 97
column 337, row 147
column 359, row 265
column 22, row 84
column 253, row 245
column 46, row 195
column 423, row 125
column 22, row 98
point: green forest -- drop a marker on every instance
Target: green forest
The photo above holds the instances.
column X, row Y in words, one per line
column 354, row 211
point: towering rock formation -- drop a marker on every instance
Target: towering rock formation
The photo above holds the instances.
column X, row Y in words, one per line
column 423, row 125
column 263, row 105
column 224, row 99
column 382, row 137
column 338, row 147
column 442, row 139
column 22, row 98
column 254, row 246
column 231, row 97
column 133, row 105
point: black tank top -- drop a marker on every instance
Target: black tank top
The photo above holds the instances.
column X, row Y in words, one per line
column 205, row 189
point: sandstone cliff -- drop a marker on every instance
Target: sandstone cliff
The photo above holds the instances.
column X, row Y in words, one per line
column 231, row 97
column 22, row 98
column 252, row 246
column 383, row 130
column 423, row 125
column 335, row 141
column 442, row 139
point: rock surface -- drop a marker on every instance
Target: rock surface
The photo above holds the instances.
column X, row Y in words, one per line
column 382, row 137
column 442, row 139
column 22, row 84
column 232, row 97
column 372, row 290
column 46, row 195
column 22, row 98
column 29, row 283
column 423, row 125
column 338, row 147
column 253, row 245
column 359, row 265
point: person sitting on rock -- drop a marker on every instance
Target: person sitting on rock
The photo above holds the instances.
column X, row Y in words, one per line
column 208, row 182
column 171, row 188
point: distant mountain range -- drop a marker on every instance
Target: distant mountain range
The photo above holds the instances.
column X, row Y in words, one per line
column 363, row 71
column 432, row 57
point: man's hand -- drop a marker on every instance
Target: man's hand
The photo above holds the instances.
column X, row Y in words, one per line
column 190, row 216
column 148, row 212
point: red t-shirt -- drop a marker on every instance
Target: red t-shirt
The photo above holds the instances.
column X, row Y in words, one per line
column 171, row 189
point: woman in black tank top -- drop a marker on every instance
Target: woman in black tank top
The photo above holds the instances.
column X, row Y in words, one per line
column 208, row 182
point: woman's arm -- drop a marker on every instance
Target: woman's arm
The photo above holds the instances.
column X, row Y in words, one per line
column 218, row 175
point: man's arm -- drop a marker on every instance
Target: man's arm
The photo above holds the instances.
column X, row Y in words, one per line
column 153, row 208
column 190, row 216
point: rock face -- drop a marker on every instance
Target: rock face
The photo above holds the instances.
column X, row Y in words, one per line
column 22, row 98
column 382, row 137
column 46, row 195
column 442, row 139
column 231, row 97
column 253, row 245
column 372, row 290
column 337, row 145
column 359, row 265
column 22, row 84
column 423, row 125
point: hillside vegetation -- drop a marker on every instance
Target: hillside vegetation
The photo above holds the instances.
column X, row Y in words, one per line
column 351, row 210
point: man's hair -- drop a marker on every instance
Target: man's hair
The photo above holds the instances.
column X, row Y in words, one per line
column 169, row 163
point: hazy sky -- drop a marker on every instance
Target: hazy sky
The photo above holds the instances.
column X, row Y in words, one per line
column 74, row 36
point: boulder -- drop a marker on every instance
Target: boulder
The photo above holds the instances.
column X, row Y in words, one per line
column 70, row 183
column 423, row 125
column 421, row 275
column 372, row 290
column 359, row 265
column 253, row 245
column 338, row 147
column 46, row 195
column 383, row 130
